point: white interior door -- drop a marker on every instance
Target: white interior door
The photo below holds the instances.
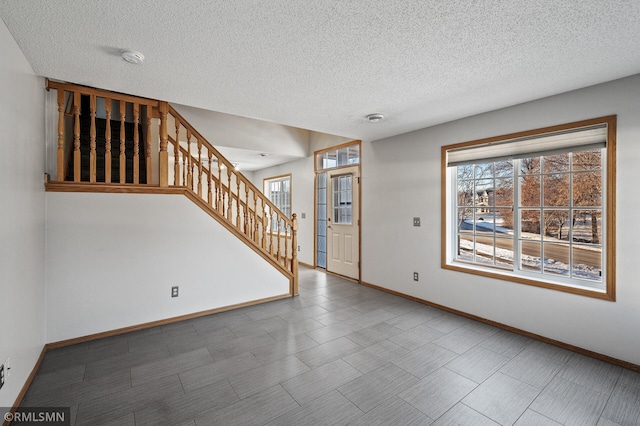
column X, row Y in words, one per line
column 343, row 217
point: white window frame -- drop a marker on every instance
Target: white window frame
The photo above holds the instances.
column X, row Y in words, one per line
column 279, row 203
column 531, row 143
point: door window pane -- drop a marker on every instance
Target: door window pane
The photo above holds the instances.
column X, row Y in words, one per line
column 341, row 188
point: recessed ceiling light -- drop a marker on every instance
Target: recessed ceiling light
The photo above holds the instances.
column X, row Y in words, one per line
column 375, row 118
column 132, row 56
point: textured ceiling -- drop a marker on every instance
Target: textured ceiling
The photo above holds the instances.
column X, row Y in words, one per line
column 323, row 65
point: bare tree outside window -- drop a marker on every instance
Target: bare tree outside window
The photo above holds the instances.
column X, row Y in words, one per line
column 559, row 200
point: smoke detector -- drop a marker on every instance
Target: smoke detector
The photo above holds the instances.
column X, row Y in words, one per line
column 132, row 56
column 375, row 118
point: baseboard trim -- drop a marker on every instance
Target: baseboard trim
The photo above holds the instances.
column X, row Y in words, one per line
column 111, row 333
column 577, row 349
column 118, row 331
column 306, row 264
column 26, row 385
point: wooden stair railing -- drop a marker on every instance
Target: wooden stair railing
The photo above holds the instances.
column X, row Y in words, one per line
column 184, row 158
column 118, row 112
column 195, row 164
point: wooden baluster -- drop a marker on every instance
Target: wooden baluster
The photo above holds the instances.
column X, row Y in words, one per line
column 220, row 201
column 136, row 143
column 278, row 236
column 250, row 222
column 271, row 231
column 228, row 193
column 60, row 153
column 123, row 158
column 148, row 161
column 199, row 167
column 294, row 254
column 184, row 170
column 164, row 140
column 247, row 229
column 255, row 217
column 238, row 223
column 76, row 137
column 286, row 244
column 209, row 179
column 189, row 161
column 92, row 139
column 176, row 156
column 264, row 226
column 107, row 142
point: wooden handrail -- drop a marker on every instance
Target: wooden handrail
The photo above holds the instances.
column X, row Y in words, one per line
column 226, row 162
column 205, row 170
column 68, row 87
column 199, row 170
column 248, row 220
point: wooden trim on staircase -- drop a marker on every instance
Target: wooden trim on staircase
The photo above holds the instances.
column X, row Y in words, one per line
column 246, row 217
column 101, row 187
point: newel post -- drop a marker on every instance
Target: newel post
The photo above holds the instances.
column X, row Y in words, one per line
column 294, row 254
column 164, row 141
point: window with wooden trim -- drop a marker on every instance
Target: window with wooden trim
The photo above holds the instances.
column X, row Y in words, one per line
column 344, row 155
column 535, row 207
column 278, row 190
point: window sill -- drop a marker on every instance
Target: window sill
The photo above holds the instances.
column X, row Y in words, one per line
column 505, row 275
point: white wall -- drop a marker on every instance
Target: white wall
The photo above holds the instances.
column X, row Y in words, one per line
column 112, row 259
column 401, row 179
column 21, row 216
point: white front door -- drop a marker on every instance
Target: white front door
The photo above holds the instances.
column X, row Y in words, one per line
column 343, row 233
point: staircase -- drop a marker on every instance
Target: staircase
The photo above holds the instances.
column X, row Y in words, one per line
column 111, row 142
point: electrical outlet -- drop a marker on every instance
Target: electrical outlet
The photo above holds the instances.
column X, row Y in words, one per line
column 174, row 291
column 415, row 276
column 416, row 221
column 298, row 248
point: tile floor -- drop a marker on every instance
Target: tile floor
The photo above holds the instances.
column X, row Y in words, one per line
column 338, row 354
